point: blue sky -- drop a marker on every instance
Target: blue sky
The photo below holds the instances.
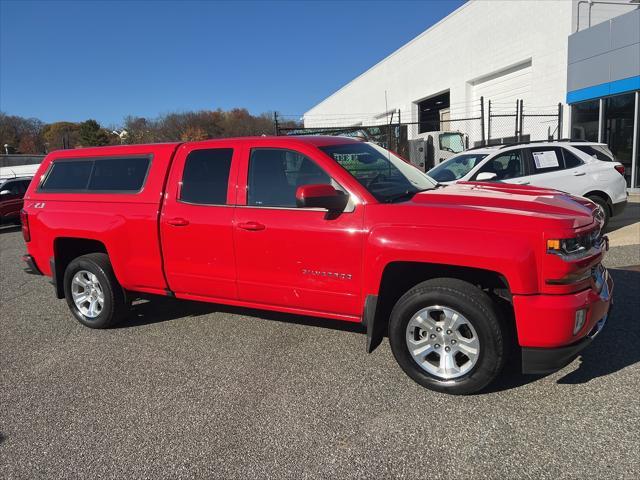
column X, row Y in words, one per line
column 107, row 59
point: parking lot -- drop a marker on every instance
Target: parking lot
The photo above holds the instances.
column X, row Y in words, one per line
column 186, row 389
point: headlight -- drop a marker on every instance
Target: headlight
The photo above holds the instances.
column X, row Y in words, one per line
column 567, row 246
column 572, row 248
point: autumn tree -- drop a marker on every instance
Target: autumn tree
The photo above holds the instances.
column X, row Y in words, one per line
column 32, row 136
column 91, row 134
column 61, row 135
column 22, row 135
column 140, row 130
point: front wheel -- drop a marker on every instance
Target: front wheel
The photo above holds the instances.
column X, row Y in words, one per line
column 447, row 335
column 93, row 293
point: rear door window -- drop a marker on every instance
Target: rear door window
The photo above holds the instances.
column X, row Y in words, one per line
column 571, row 160
column 205, row 178
column 545, row 159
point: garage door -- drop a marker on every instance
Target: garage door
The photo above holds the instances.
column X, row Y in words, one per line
column 505, row 86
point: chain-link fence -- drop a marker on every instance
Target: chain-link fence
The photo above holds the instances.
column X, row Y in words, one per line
column 510, row 122
column 478, row 123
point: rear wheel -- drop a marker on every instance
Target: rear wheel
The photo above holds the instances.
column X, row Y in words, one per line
column 93, row 293
column 447, row 335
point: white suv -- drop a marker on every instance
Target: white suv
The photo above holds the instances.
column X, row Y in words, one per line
column 581, row 168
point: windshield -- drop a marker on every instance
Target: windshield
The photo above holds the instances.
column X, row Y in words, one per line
column 455, row 168
column 451, row 142
column 386, row 176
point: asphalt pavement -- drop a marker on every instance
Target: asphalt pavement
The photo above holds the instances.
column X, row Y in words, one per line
column 196, row 390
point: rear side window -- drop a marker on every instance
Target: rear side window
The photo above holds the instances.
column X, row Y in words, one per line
column 570, row 160
column 598, row 151
column 205, row 178
column 545, row 159
column 70, row 175
column 118, row 174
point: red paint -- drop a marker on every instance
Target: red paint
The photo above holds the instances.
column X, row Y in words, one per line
column 308, row 262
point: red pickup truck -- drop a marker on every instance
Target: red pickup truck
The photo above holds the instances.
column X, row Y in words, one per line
column 460, row 277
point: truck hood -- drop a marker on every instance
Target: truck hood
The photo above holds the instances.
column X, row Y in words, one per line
column 514, row 199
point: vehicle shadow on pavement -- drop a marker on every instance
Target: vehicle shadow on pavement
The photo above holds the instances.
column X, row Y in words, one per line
column 618, row 346
column 9, row 228
column 161, row 309
column 630, row 216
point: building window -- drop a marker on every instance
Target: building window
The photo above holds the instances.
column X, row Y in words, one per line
column 584, row 120
column 618, row 129
column 430, row 112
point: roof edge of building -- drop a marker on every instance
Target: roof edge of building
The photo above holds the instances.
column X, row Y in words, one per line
column 406, row 45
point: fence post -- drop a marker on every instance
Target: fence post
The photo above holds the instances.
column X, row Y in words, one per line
column 517, row 116
column 399, row 132
column 489, row 124
column 482, row 120
column 559, row 120
column 276, row 128
column 521, row 120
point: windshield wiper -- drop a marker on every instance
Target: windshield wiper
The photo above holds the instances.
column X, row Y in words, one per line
column 406, row 195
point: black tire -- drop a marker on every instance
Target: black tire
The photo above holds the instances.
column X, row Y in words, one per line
column 478, row 309
column 605, row 208
column 115, row 308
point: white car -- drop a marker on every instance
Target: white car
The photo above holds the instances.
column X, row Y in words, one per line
column 581, row 168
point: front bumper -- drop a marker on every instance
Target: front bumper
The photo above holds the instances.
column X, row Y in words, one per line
column 545, row 325
column 547, row 360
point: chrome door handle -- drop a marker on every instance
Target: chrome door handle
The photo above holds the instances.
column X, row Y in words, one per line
column 251, row 226
column 578, row 174
column 178, row 222
column 523, row 182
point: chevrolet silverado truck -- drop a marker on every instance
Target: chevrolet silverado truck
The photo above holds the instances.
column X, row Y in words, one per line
column 462, row 278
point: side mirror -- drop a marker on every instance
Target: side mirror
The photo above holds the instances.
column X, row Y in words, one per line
column 486, row 177
column 321, row 196
column 5, row 192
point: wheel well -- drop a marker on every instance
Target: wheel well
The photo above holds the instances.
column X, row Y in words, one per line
column 602, row 195
column 65, row 250
column 399, row 277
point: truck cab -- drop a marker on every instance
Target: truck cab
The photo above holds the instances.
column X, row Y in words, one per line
column 436, row 147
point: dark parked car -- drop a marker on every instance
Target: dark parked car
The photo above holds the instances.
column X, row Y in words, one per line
column 11, row 194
